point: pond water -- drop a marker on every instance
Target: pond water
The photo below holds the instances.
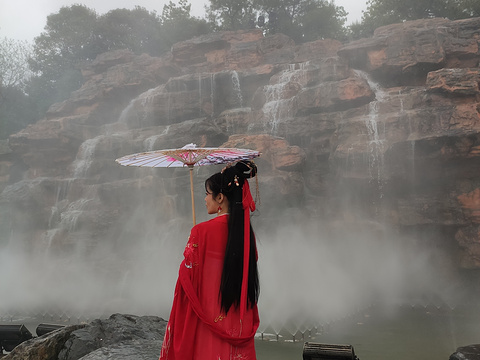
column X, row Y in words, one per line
column 400, row 333
column 403, row 333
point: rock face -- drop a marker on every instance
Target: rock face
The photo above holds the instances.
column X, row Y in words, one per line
column 45, row 347
column 122, row 337
column 382, row 130
column 403, row 54
column 470, row 352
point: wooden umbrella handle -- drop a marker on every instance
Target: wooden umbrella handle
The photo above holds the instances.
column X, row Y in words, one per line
column 191, row 193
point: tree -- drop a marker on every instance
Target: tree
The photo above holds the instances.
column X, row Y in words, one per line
column 14, row 57
column 232, row 14
column 179, row 25
column 304, row 20
column 68, row 40
column 322, row 20
column 76, row 35
column 16, row 110
column 137, row 30
column 385, row 12
column 471, row 8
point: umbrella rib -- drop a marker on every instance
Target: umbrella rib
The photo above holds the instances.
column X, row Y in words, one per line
column 146, row 162
column 168, row 159
column 203, row 156
column 178, row 158
column 187, row 157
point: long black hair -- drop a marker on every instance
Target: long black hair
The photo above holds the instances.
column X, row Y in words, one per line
column 230, row 182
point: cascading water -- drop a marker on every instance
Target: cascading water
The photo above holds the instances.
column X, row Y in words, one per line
column 376, row 137
column 85, row 157
column 376, row 160
column 212, row 92
column 200, row 105
column 236, row 88
column 149, row 143
column 280, row 96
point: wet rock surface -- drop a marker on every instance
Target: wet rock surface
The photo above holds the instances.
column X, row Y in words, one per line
column 393, row 121
column 122, row 337
column 470, row 352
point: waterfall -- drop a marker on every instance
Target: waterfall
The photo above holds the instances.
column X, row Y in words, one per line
column 84, row 159
column 64, row 215
column 412, row 149
column 200, row 94
column 375, row 157
column 236, row 88
column 69, row 218
column 133, row 111
column 280, row 98
column 147, row 96
column 122, row 119
column 212, row 92
column 48, row 238
column 376, row 139
column 149, row 143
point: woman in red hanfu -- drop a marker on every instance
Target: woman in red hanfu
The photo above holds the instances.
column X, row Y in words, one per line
column 214, row 314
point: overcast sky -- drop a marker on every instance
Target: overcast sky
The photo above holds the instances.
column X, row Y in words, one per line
column 25, row 19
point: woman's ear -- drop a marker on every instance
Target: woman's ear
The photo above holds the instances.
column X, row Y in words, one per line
column 220, row 198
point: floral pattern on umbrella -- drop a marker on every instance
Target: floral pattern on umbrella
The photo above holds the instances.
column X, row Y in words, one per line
column 187, row 156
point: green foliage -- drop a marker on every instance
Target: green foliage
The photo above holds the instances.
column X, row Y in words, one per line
column 77, row 34
column 471, row 8
column 16, row 109
column 68, row 39
column 305, row 20
column 179, row 25
column 137, row 30
column 14, row 57
column 321, row 19
column 385, row 12
column 232, row 14
column 302, row 20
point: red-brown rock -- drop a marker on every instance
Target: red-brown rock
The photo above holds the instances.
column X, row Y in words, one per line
column 403, row 54
column 397, row 143
column 455, row 81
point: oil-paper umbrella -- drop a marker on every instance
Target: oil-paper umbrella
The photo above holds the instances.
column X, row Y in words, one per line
column 187, row 156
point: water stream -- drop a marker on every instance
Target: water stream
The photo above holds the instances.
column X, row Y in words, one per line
column 237, row 89
column 280, row 96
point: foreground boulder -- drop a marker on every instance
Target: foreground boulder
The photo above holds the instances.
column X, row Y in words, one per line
column 119, row 337
column 470, row 352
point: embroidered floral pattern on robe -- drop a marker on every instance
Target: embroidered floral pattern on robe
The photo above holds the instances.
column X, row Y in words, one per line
column 197, row 328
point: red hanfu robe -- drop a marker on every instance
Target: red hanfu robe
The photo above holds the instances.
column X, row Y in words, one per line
column 197, row 328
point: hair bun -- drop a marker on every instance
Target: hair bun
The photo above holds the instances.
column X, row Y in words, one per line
column 246, row 168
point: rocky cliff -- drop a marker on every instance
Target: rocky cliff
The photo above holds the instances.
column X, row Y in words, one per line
column 380, row 132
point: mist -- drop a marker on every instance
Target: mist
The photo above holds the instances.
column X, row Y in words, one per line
column 359, row 183
column 311, row 272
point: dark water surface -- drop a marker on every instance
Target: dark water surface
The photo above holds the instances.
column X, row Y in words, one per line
column 404, row 333
column 401, row 333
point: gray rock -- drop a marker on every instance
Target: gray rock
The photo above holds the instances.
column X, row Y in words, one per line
column 119, row 337
column 470, row 352
column 46, row 347
column 128, row 350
